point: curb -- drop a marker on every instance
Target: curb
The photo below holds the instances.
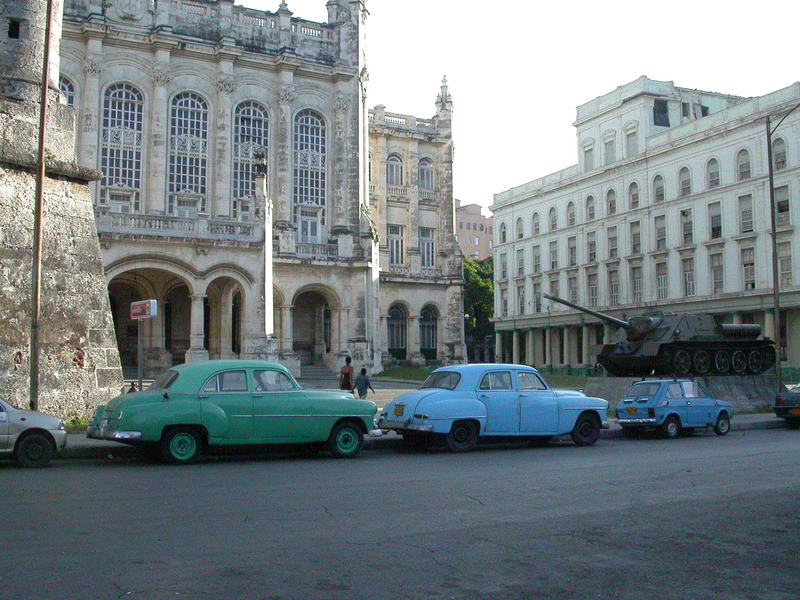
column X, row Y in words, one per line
column 100, row 450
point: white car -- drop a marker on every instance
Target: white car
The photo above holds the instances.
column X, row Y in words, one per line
column 33, row 438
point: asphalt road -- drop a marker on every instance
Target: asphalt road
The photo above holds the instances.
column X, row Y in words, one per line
column 699, row 518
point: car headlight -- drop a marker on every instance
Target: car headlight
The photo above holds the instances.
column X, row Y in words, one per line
column 61, row 425
column 119, row 416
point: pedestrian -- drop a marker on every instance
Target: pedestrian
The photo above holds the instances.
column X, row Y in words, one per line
column 346, row 376
column 362, row 383
column 132, row 388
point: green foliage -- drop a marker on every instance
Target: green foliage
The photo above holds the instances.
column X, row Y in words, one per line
column 405, row 372
column 76, row 425
column 478, row 298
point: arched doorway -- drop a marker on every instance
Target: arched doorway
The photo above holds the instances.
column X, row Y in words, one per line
column 311, row 327
column 398, row 332
column 428, row 332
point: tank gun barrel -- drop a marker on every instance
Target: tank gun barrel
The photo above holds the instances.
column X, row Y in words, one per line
column 599, row 315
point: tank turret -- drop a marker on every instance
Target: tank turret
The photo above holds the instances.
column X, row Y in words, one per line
column 680, row 344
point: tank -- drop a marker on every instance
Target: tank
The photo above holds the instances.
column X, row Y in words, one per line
column 680, row 345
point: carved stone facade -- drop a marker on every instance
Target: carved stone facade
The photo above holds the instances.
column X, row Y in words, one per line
column 179, row 105
column 79, row 364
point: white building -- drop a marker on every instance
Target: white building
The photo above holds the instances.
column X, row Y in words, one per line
column 668, row 209
column 179, row 102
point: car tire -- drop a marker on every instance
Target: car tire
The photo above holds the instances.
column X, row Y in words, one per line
column 671, row 428
column 34, row 451
column 346, row 440
column 723, row 424
column 463, row 436
column 181, row 446
column 587, row 429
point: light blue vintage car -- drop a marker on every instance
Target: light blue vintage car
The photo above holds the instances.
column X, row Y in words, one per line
column 464, row 402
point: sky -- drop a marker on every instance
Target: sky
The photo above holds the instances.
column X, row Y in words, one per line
column 517, row 70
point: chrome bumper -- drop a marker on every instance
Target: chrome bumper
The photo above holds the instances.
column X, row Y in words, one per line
column 637, row 422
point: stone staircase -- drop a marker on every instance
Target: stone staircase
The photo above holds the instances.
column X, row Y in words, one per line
column 318, row 376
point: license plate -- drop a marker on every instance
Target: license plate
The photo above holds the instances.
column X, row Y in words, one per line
column 398, row 411
column 630, row 411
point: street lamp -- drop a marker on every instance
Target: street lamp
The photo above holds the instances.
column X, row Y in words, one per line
column 773, row 216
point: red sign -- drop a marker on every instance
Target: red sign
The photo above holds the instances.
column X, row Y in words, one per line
column 144, row 309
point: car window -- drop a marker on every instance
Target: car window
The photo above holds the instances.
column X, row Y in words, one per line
column 674, row 391
column 496, row 380
column 639, row 390
column 165, row 380
column 530, row 381
column 227, row 381
column 692, row 389
column 446, row 380
column 271, row 381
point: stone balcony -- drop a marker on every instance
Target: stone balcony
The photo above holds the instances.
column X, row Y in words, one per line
column 201, row 227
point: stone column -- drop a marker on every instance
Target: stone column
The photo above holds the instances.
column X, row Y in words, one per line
column 736, row 318
column 91, row 100
column 548, row 347
column 498, row 347
column 530, row 356
column 585, row 353
column 286, row 328
column 221, row 202
column 196, row 351
column 413, row 341
column 515, row 346
column 566, row 358
column 607, row 333
column 226, row 324
column 336, row 315
column 769, row 325
column 154, row 197
column 283, row 151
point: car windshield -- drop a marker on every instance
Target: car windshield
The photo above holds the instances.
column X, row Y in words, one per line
column 164, row 381
column 639, row 390
column 445, row 380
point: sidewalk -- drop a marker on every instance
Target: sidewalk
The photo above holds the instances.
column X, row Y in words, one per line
column 81, row 447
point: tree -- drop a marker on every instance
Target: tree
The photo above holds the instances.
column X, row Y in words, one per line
column 478, row 304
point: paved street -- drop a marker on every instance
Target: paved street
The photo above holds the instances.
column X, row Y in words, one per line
column 697, row 518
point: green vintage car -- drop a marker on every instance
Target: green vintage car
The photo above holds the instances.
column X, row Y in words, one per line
column 193, row 407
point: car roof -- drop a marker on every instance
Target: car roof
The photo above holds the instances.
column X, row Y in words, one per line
column 208, row 367
column 481, row 367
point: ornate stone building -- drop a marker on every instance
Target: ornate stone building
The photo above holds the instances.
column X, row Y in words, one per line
column 667, row 209
column 179, row 102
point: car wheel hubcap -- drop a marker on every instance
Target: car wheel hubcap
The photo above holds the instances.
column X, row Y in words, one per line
column 183, row 446
column 35, row 451
column 346, row 441
column 723, row 425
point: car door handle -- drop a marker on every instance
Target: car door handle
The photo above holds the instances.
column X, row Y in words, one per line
column 688, row 403
column 523, row 395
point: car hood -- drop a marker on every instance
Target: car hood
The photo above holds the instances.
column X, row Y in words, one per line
column 32, row 418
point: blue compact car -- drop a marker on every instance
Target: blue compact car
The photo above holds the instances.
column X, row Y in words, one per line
column 675, row 406
column 464, row 402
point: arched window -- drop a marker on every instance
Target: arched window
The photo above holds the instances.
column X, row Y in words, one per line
column 571, row 213
column 685, row 182
column 121, row 147
column 428, row 326
column 658, row 189
column 250, row 139
column 394, row 170
column 503, row 236
column 535, row 228
column 520, row 229
column 590, row 208
column 396, row 324
column 188, row 155
column 553, row 219
column 779, row 154
column 310, row 169
column 633, row 195
column 742, row 165
column 67, row 89
column 712, row 173
column 426, row 178
column 611, row 202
